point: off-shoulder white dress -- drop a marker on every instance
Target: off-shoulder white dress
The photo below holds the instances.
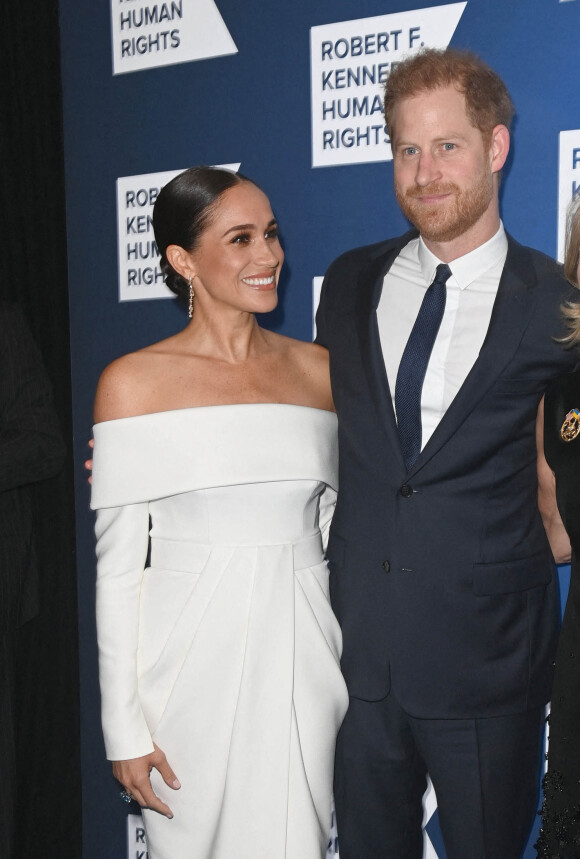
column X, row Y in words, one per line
column 223, row 649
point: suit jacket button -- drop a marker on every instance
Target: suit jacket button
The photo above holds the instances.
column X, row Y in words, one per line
column 387, row 566
column 406, row 491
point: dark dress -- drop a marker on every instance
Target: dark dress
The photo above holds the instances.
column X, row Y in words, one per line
column 560, row 834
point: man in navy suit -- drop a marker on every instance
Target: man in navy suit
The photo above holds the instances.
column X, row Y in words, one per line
column 441, row 345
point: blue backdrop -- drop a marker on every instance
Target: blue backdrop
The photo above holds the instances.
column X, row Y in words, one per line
column 253, row 105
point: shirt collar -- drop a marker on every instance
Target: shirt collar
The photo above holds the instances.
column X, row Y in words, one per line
column 468, row 268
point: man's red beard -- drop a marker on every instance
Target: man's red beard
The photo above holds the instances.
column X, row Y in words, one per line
column 449, row 219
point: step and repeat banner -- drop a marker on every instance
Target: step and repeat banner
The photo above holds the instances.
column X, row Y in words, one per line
column 290, row 93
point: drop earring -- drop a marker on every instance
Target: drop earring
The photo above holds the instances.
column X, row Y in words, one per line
column 191, row 296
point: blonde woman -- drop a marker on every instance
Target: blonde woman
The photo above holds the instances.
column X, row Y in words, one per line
column 559, row 480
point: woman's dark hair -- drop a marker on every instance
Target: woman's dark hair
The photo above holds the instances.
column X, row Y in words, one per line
column 183, row 210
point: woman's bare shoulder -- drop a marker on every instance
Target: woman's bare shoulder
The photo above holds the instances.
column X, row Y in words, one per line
column 311, row 371
column 124, row 387
column 313, row 357
column 304, row 348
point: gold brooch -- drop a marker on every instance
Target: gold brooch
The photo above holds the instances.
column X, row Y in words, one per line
column 571, row 426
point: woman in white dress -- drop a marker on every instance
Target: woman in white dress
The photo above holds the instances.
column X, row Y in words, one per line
column 214, row 479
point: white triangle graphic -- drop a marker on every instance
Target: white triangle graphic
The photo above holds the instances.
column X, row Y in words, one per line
column 209, row 36
column 350, row 61
column 147, row 34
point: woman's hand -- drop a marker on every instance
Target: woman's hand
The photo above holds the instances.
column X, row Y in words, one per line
column 134, row 776
column 89, row 462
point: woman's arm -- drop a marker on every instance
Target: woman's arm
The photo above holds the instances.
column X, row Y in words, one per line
column 555, row 530
column 122, row 543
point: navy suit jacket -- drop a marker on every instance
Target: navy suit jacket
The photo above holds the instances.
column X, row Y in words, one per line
column 442, row 578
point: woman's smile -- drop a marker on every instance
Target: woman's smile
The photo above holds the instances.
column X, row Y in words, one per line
column 260, row 281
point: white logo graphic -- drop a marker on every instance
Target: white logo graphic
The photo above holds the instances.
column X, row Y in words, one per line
column 429, row 806
column 316, row 287
column 350, row 62
column 569, row 180
column 136, row 840
column 139, row 273
column 147, row 34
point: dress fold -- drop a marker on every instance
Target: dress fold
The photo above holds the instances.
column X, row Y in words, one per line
column 233, row 663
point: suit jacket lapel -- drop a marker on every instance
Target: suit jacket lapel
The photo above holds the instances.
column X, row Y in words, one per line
column 369, row 289
column 512, row 310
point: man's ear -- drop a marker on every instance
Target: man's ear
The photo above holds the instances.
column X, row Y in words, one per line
column 500, row 146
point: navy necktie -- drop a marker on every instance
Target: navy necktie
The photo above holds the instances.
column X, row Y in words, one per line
column 413, row 366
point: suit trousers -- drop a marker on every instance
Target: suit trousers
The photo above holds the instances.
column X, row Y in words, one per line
column 485, row 773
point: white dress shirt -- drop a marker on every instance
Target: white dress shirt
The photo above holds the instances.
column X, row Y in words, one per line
column 471, row 292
